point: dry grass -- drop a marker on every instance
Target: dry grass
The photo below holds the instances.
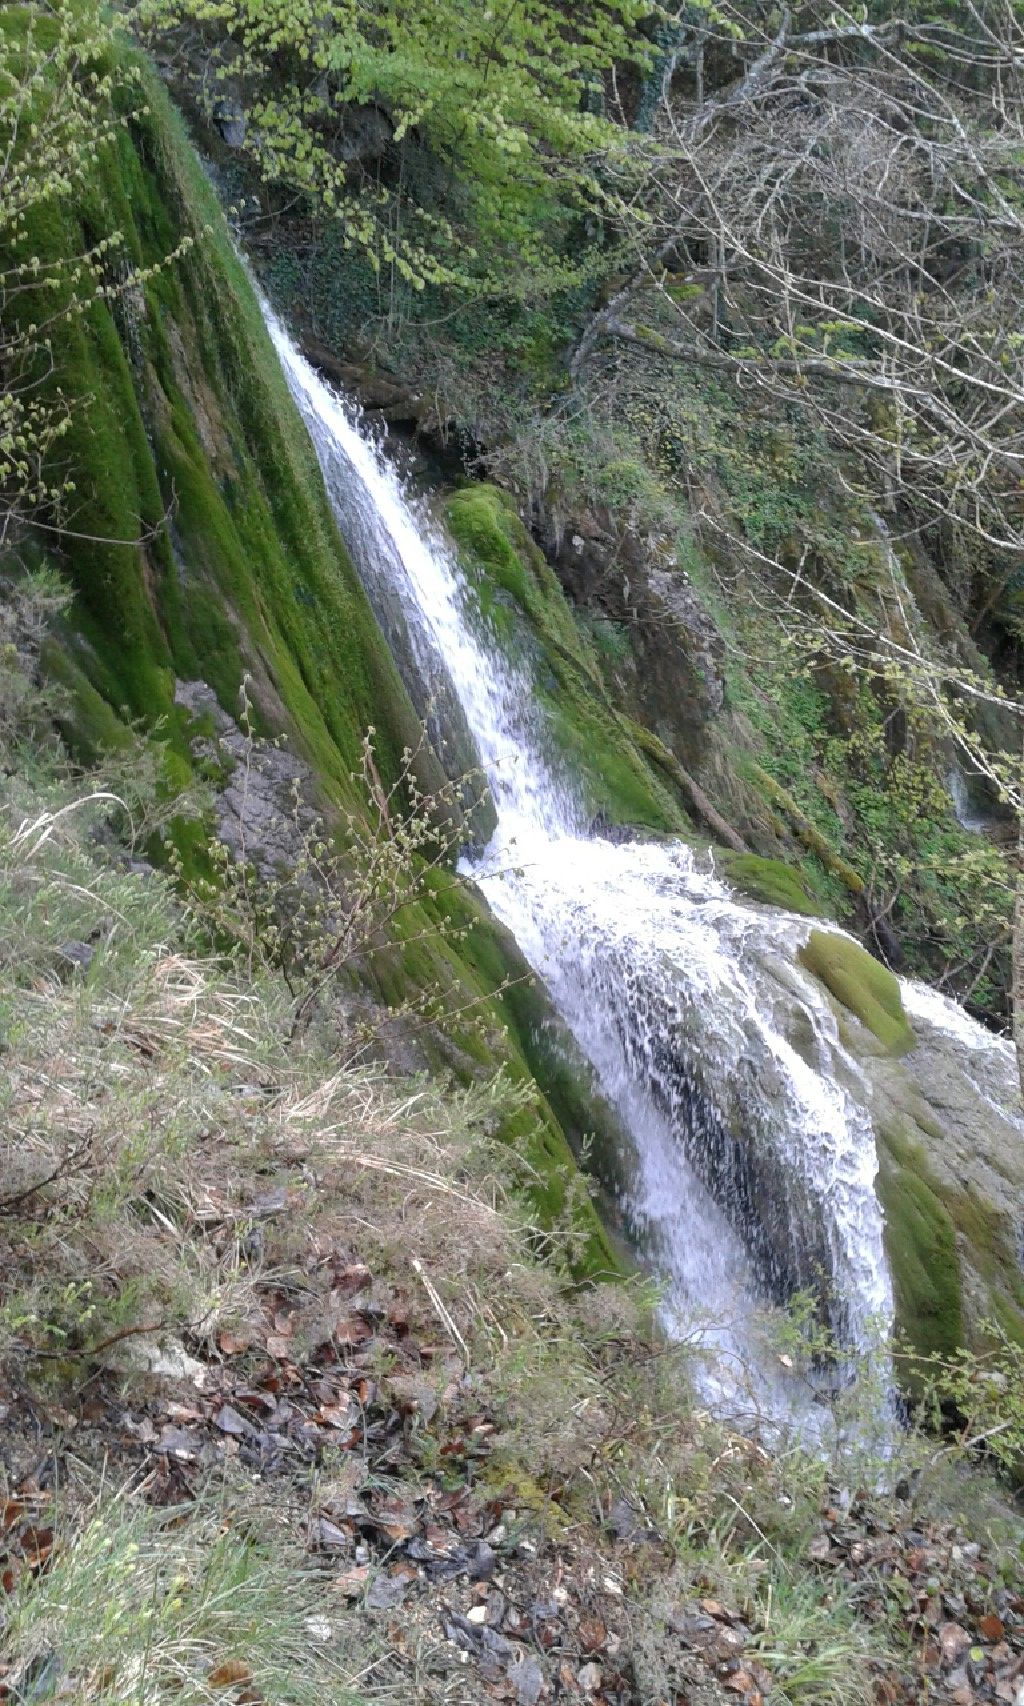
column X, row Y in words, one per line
column 154, row 1105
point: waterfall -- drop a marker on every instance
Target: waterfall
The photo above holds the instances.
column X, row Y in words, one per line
column 752, row 1158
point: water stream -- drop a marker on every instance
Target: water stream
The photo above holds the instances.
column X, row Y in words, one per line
column 752, row 1156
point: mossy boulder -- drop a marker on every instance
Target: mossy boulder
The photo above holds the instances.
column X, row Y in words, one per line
column 950, row 1144
column 862, row 985
column 770, row 881
column 921, row 1248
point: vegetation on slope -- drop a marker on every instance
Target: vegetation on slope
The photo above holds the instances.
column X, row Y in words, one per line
column 301, row 1403
column 198, row 541
column 333, row 1318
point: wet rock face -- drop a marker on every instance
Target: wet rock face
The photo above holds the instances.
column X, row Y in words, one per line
column 673, row 670
column 265, row 805
column 951, row 1147
column 730, row 1125
column 731, row 1142
column 949, row 1132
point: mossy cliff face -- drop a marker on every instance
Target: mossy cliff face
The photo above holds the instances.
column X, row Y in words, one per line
column 200, row 542
column 522, row 601
column 945, row 1105
column 200, row 546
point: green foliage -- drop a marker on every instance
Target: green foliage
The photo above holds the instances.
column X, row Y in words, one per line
column 481, row 152
column 862, row 984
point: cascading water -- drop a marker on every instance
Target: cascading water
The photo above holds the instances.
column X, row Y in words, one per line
column 752, row 1165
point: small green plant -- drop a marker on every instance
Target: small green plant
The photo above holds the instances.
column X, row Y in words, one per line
column 344, row 893
column 138, row 1605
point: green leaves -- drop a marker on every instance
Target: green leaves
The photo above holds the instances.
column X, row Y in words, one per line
column 486, row 146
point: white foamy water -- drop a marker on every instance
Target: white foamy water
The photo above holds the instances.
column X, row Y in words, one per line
column 749, row 1168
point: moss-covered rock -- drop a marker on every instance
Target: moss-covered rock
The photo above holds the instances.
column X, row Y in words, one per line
column 863, row 986
column 921, row 1247
column 770, row 881
column 202, row 544
column 520, row 597
column 948, row 1127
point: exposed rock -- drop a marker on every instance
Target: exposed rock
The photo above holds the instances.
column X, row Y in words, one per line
column 266, row 805
column 75, row 956
column 366, row 132
column 673, row 670
column 229, row 117
column 950, row 1135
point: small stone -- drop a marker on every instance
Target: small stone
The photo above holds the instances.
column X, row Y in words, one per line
column 76, row 956
column 386, row 1592
column 527, row 1679
column 477, row 1614
column 589, row 1678
column 482, row 1561
column 352, row 1582
column 229, row 1421
column 953, row 1643
column 176, row 1442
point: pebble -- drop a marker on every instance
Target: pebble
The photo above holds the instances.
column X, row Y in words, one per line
column 589, row 1678
column 527, row 1679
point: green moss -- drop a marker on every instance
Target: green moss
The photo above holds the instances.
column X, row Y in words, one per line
column 201, row 541
column 770, row 881
column 811, row 837
column 90, row 725
column 482, row 524
column 920, row 1243
column 865, row 987
column 520, row 596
